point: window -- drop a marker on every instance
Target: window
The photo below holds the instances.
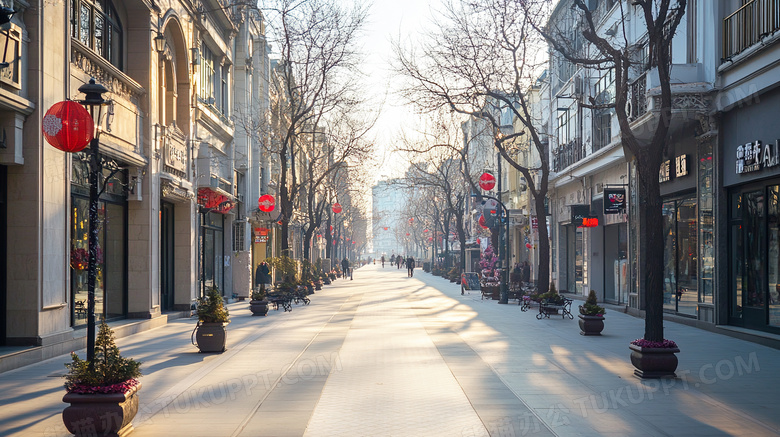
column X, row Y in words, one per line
column 239, row 237
column 566, row 124
column 97, row 26
column 681, row 256
column 224, row 102
column 207, row 83
column 604, row 92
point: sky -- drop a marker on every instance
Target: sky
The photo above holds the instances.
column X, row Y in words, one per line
column 387, row 20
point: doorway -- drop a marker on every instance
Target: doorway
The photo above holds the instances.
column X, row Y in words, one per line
column 3, row 251
column 166, row 256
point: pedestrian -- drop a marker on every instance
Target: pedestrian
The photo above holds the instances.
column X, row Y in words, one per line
column 263, row 276
column 526, row 273
column 345, row 268
column 383, row 261
column 399, row 260
column 392, row 259
column 410, row 266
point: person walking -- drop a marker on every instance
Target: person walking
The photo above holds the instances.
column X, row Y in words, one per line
column 410, row 266
column 399, row 261
column 526, row 273
column 383, row 261
column 345, row 268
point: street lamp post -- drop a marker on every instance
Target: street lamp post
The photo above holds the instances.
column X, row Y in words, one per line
column 94, row 102
column 504, row 291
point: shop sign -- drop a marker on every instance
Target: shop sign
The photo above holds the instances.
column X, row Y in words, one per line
column 614, row 200
column 755, row 156
column 667, row 171
column 534, row 223
column 578, row 213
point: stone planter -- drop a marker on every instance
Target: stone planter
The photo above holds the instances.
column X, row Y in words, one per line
column 211, row 337
column 258, row 307
column 101, row 414
column 653, row 362
column 591, row 325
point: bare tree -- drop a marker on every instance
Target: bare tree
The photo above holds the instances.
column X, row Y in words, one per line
column 318, row 58
column 660, row 19
column 479, row 62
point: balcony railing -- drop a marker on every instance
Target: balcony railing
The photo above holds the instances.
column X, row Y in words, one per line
column 749, row 24
column 567, row 154
column 638, row 97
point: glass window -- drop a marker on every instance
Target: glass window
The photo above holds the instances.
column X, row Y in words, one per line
column 207, row 81
column 737, row 266
column 773, row 253
column 97, row 26
column 706, row 222
column 680, row 256
column 753, row 222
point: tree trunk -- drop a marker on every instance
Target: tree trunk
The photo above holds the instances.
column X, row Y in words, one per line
column 543, row 273
column 652, row 248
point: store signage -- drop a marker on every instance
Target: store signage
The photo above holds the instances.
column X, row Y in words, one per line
column 578, row 213
column 614, row 200
column 756, row 155
column 680, row 168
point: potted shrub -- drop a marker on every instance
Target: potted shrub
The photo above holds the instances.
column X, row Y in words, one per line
column 591, row 316
column 103, row 394
column 453, row 274
column 259, row 305
column 213, row 318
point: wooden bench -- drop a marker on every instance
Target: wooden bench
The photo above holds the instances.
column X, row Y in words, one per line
column 547, row 308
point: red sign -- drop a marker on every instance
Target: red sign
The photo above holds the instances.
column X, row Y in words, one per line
column 487, row 181
column 534, row 223
column 209, row 198
column 266, row 203
column 68, row 126
column 336, row 208
column 590, row 222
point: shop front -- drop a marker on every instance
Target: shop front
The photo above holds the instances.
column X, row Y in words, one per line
column 111, row 275
column 751, row 150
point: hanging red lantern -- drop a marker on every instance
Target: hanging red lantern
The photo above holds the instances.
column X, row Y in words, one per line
column 528, row 245
column 407, row 234
column 430, row 238
column 385, row 227
column 425, row 231
column 482, row 221
column 487, row 181
column 336, row 208
column 266, row 203
column 331, row 228
column 411, row 220
column 67, row 126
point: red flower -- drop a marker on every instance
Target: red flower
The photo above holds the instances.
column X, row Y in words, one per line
column 666, row 344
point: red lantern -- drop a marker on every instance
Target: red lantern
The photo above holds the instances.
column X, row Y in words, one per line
column 407, row 234
column 528, row 245
column 487, row 181
column 336, row 208
column 331, row 228
column 482, row 221
column 266, row 203
column 425, row 230
column 353, row 242
column 385, row 227
column 411, row 220
column 430, row 238
column 67, row 126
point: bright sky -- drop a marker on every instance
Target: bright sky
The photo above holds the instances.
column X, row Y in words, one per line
column 388, row 20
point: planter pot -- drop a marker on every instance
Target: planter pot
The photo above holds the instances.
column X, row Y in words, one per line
column 211, row 337
column 258, row 307
column 653, row 362
column 101, row 414
column 591, row 325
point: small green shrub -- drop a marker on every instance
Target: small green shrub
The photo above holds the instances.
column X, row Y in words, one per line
column 110, row 372
column 211, row 309
column 591, row 307
column 259, row 294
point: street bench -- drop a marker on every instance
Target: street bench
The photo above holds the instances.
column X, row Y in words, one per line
column 280, row 298
column 547, row 308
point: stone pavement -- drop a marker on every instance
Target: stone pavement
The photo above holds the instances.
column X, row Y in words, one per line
column 387, row 355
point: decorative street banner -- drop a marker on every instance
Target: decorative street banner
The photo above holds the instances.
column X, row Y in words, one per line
column 614, row 200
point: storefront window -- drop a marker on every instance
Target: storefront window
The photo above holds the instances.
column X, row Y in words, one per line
column 706, row 222
column 773, row 253
column 680, row 256
column 754, row 238
column 738, row 252
column 111, row 280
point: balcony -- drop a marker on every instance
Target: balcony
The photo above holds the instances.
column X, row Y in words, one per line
column 748, row 25
column 567, row 154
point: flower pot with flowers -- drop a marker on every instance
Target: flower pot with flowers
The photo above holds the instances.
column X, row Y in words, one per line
column 591, row 316
column 210, row 334
column 259, row 305
column 103, row 393
column 654, row 359
column 489, row 276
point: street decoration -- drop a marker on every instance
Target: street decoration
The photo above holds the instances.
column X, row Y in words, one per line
column 482, row 221
column 337, row 208
column 528, row 245
column 68, row 126
column 487, row 181
column 266, row 203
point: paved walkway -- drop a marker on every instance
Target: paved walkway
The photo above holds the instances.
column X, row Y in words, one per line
column 387, row 355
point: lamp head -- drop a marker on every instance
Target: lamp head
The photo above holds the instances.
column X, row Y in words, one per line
column 93, row 93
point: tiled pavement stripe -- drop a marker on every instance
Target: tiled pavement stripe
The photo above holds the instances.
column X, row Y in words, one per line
column 286, row 409
column 501, row 411
column 394, row 382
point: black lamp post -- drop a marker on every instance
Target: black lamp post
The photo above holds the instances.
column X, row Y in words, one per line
column 504, row 292
column 93, row 102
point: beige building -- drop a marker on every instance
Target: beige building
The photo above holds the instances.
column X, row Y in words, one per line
column 175, row 215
